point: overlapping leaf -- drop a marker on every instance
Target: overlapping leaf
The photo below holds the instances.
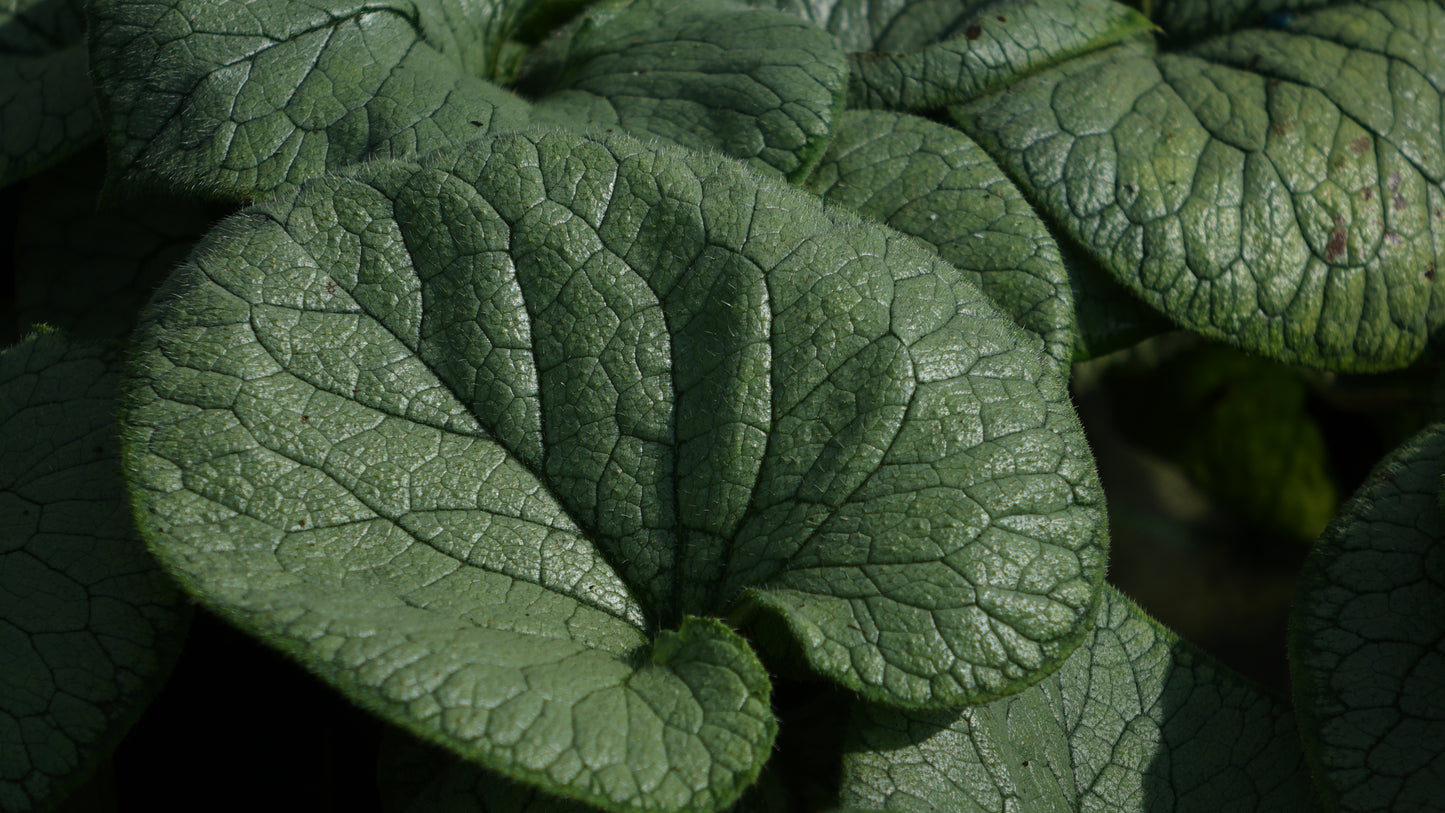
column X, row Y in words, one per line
column 236, row 99
column 1278, row 189
column 934, row 183
column 464, row 435
column 1367, row 644
column 758, row 85
column 922, row 54
column 1135, row 720
column 47, row 108
column 89, row 625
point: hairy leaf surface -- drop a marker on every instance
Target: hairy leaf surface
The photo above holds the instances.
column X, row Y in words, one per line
column 1135, row 720
column 89, row 625
column 47, row 108
column 433, row 427
column 1367, row 644
column 1277, row 189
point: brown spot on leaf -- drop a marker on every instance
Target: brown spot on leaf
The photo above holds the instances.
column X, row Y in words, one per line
column 973, row 32
column 1336, row 247
column 1359, row 145
column 1001, row 18
column 306, row 419
column 1430, row 272
column 1399, row 202
column 1280, row 127
column 1368, row 193
column 1393, row 237
column 301, row 523
column 1394, row 182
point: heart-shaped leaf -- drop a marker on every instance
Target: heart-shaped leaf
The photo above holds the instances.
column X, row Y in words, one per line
column 1276, row 189
column 89, row 625
column 1367, row 639
column 464, row 435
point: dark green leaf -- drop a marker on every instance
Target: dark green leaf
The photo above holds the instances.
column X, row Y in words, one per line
column 709, row 74
column 89, row 626
column 47, row 109
column 1367, row 639
column 934, row 183
column 1276, row 189
column 1136, row 720
column 236, row 99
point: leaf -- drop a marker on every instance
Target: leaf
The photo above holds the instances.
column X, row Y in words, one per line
column 757, row 85
column 933, row 182
column 1195, row 19
column 1366, row 638
column 433, row 427
column 1279, row 190
column 236, row 99
column 1135, row 720
column 89, row 271
column 47, row 109
column 922, row 54
column 89, row 626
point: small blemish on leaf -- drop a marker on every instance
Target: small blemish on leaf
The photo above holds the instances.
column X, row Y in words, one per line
column 1399, row 202
column 476, row 123
column 1280, row 127
column 1394, row 182
column 1001, row 18
column 301, row 523
column 973, row 32
column 1336, row 247
column 306, row 419
column 1430, row 272
column 1359, row 145
column 1368, row 193
column 1393, row 237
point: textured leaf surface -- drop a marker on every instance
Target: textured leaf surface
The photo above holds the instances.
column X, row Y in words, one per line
column 47, row 108
column 88, row 623
column 239, row 98
column 1368, row 639
column 533, row 399
column 934, row 183
column 1135, row 720
column 921, row 54
column 709, row 74
column 87, row 270
column 1278, row 189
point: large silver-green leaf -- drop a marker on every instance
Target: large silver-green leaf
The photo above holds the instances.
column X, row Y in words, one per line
column 709, row 74
column 1136, row 720
column 1367, row 639
column 1277, row 189
column 236, row 98
column 922, row 54
column 47, row 108
column 434, row 427
column 89, row 625
column 934, row 183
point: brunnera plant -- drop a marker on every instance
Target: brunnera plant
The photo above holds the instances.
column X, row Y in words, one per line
column 564, row 383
